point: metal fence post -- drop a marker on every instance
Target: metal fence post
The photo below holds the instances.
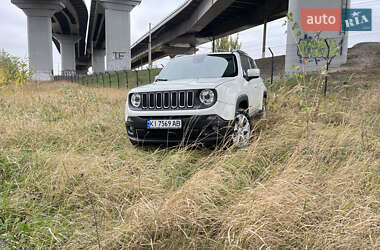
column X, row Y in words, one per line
column 327, row 68
column 126, row 79
column 109, row 79
column 271, row 78
column 137, row 78
column 149, row 75
column 118, row 79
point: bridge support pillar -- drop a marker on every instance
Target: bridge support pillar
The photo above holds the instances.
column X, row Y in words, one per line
column 39, row 13
column 98, row 65
column 118, row 33
column 307, row 50
column 67, row 44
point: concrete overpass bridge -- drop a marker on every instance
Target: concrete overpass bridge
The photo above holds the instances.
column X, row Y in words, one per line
column 192, row 24
column 109, row 34
column 64, row 22
column 200, row 21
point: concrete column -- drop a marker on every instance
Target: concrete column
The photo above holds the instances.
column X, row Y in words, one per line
column 118, row 33
column 309, row 51
column 98, row 65
column 67, row 44
column 39, row 13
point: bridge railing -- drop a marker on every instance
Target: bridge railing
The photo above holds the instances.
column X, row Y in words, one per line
column 115, row 79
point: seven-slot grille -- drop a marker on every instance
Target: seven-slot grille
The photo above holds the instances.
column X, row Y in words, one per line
column 168, row 100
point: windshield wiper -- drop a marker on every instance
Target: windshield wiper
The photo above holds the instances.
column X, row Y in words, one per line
column 162, row 80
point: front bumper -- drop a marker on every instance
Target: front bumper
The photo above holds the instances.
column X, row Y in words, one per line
column 205, row 129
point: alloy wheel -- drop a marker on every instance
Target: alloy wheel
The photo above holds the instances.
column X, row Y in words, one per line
column 241, row 131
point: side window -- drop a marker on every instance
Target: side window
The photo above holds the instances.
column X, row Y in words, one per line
column 253, row 63
column 245, row 63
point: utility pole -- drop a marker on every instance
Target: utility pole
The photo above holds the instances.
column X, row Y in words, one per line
column 150, row 46
column 264, row 37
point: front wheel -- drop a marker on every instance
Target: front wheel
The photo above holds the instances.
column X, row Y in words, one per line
column 241, row 129
column 134, row 143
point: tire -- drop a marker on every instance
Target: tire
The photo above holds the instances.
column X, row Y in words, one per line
column 241, row 129
column 134, row 143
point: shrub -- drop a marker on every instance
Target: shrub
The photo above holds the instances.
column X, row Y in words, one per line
column 13, row 70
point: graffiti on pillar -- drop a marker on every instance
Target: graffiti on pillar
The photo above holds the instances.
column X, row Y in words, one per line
column 118, row 55
column 120, row 61
column 314, row 49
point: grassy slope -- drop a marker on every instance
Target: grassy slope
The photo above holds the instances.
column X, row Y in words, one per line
column 70, row 178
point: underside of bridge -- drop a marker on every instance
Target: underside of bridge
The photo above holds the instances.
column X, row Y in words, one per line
column 96, row 28
column 72, row 21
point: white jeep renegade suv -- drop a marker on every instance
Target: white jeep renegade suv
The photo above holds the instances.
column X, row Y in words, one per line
column 198, row 98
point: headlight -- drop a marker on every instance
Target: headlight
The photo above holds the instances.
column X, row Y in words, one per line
column 207, row 97
column 136, row 100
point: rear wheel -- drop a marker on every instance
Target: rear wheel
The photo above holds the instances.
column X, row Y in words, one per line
column 241, row 129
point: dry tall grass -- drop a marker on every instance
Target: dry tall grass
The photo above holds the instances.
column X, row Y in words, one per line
column 70, row 179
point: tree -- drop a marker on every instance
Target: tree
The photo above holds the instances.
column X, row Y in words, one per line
column 227, row 43
column 13, row 70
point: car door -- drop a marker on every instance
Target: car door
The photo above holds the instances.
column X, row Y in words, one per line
column 252, row 85
column 259, row 89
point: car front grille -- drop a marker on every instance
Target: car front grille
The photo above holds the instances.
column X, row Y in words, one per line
column 168, row 100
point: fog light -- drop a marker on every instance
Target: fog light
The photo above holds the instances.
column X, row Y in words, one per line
column 131, row 128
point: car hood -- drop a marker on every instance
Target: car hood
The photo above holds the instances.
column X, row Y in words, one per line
column 202, row 83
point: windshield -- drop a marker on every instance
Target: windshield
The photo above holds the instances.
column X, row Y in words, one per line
column 199, row 66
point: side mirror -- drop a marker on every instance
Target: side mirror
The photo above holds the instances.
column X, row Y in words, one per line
column 253, row 73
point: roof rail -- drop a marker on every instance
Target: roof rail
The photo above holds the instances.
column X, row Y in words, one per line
column 240, row 51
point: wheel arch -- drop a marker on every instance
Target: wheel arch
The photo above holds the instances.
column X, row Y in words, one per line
column 242, row 102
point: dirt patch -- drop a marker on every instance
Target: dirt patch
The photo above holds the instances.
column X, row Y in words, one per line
column 362, row 56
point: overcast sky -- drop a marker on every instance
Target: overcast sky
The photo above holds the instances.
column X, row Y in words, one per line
column 13, row 37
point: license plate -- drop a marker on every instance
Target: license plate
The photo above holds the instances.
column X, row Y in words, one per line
column 164, row 124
